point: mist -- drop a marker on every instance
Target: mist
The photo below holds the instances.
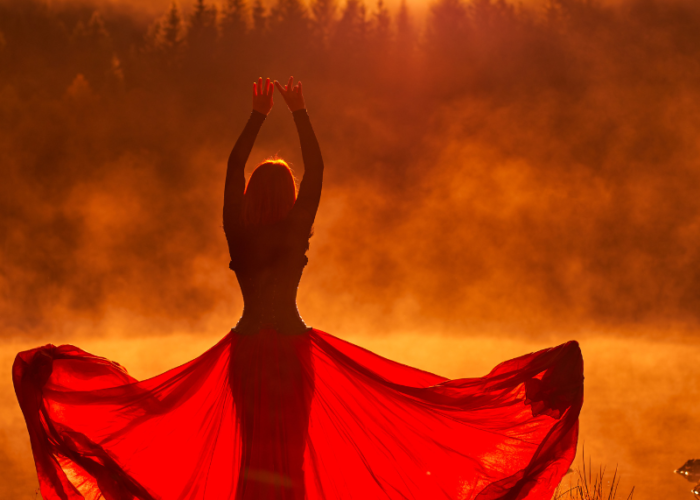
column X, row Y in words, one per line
column 499, row 176
column 538, row 166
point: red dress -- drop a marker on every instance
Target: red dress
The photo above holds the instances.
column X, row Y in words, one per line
column 271, row 416
column 279, row 411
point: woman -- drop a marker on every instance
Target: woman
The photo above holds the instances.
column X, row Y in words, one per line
column 277, row 410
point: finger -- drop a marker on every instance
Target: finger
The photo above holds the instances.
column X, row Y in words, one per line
column 290, row 83
column 255, row 90
column 300, row 88
column 267, row 87
column 260, row 87
column 279, row 87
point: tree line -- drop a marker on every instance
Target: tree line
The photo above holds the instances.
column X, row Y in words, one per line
column 473, row 43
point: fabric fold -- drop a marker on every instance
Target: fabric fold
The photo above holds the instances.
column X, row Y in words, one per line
column 278, row 417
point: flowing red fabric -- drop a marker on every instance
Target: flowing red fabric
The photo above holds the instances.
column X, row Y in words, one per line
column 270, row 416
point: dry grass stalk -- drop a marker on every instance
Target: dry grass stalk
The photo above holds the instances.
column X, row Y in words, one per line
column 589, row 486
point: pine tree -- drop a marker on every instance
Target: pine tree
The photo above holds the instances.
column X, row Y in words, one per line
column 260, row 17
column 234, row 24
column 93, row 50
column 363, row 24
column 94, row 33
column 323, row 12
column 554, row 17
column 163, row 49
column 289, row 30
column 405, row 37
column 288, row 14
column 486, row 15
column 378, row 42
column 349, row 41
column 381, row 27
column 172, row 30
column 200, row 53
column 447, row 26
column 404, row 30
column 351, row 29
column 202, row 30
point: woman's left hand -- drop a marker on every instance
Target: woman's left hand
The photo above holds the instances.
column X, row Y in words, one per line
column 262, row 96
column 292, row 94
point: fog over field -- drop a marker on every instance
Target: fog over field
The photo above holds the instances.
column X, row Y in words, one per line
column 500, row 177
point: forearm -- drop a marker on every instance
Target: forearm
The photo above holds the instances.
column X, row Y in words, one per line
column 235, row 173
column 310, row 189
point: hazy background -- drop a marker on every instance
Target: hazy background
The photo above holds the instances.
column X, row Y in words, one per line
column 499, row 178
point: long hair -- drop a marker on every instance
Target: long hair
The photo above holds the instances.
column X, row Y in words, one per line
column 270, row 193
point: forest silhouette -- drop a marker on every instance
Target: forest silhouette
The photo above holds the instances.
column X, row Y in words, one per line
column 488, row 164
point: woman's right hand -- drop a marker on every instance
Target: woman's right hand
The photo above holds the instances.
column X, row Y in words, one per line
column 292, row 94
column 262, row 96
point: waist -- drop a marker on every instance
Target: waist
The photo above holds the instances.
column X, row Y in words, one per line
column 283, row 320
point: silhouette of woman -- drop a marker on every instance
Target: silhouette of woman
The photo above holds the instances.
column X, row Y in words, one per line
column 280, row 411
column 268, row 230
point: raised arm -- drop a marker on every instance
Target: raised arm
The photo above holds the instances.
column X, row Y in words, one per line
column 310, row 189
column 235, row 173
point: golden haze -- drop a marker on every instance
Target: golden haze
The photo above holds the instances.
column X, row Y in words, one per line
column 499, row 178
